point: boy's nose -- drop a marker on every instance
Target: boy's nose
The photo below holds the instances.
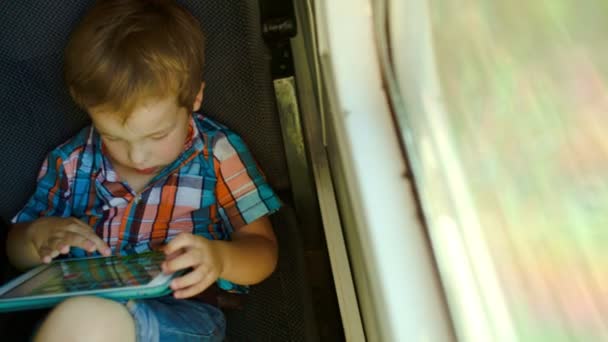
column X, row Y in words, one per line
column 136, row 155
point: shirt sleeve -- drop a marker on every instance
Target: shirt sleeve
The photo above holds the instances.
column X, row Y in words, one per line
column 243, row 195
column 51, row 196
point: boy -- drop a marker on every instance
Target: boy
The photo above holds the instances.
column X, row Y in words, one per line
column 146, row 174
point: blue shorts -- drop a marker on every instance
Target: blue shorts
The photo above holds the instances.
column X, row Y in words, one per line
column 168, row 319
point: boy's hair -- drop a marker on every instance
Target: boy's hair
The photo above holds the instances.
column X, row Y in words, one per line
column 126, row 51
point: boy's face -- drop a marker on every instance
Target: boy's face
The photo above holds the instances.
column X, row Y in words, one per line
column 152, row 136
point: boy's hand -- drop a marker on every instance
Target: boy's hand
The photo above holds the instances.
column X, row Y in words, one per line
column 185, row 251
column 52, row 236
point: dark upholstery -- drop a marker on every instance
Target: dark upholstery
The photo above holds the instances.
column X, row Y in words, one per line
column 280, row 308
column 36, row 114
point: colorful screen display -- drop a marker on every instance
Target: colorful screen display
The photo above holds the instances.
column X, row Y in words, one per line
column 91, row 274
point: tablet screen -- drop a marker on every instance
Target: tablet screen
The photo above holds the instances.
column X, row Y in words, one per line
column 91, row 274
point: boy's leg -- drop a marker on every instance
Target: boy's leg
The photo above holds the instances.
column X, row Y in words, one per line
column 167, row 319
column 88, row 319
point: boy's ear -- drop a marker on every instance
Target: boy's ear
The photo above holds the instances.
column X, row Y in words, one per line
column 199, row 98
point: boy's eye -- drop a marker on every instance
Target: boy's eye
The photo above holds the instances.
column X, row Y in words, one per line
column 159, row 137
column 110, row 138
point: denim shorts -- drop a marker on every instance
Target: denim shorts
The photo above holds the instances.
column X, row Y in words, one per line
column 168, row 319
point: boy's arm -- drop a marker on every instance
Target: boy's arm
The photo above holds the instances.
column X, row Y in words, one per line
column 47, row 200
column 43, row 229
column 244, row 201
column 248, row 259
column 252, row 254
column 32, row 243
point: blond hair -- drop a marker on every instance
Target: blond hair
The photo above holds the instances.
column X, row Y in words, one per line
column 126, row 51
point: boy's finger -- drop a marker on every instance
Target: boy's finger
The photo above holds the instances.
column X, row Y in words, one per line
column 90, row 242
column 194, row 289
column 56, row 242
column 79, row 227
column 99, row 244
column 64, row 249
column 80, row 241
column 183, row 240
column 45, row 254
column 187, row 280
column 174, row 254
column 181, row 262
column 60, row 244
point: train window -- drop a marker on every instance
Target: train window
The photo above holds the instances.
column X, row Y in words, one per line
column 503, row 111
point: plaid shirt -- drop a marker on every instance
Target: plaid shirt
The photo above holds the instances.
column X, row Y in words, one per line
column 212, row 189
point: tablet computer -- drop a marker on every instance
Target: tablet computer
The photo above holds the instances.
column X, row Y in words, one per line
column 115, row 277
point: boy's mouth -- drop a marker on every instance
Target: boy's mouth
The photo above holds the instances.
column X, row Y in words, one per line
column 147, row 171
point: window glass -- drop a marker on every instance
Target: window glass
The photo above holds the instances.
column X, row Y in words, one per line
column 506, row 117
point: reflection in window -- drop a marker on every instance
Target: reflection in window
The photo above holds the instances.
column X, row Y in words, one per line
column 522, row 99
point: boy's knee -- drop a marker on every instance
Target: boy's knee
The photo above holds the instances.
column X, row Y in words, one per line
column 88, row 319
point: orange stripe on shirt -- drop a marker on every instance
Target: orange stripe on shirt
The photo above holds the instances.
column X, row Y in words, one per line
column 55, row 187
column 165, row 208
column 224, row 197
